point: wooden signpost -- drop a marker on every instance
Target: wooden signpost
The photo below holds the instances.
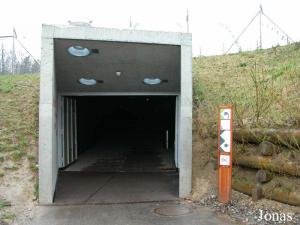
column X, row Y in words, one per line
column 225, row 153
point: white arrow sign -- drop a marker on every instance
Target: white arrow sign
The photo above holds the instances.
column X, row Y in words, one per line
column 225, row 140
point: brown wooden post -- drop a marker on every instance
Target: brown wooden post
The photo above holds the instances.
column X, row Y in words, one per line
column 225, row 142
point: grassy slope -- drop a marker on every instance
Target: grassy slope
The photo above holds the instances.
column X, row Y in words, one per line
column 18, row 132
column 18, row 116
column 263, row 86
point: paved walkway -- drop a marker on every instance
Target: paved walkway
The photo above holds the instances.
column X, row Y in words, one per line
column 107, row 188
column 128, row 214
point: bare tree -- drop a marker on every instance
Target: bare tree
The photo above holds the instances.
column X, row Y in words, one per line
column 23, row 63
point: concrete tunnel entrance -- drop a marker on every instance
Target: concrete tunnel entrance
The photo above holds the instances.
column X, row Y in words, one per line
column 120, row 140
column 115, row 115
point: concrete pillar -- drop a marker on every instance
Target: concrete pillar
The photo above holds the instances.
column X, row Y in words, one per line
column 47, row 131
column 185, row 123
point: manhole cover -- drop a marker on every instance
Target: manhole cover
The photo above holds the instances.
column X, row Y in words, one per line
column 173, row 210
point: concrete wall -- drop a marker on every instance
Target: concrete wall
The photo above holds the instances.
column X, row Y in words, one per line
column 185, row 123
column 48, row 162
column 47, row 124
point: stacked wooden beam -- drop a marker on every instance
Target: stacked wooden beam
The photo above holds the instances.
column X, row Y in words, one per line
column 274, row 155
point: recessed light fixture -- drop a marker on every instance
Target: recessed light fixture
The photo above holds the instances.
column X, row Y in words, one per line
column 152, row 81
column 88, row 82
column 95, row 51
column 79, row 51
column 118, row 73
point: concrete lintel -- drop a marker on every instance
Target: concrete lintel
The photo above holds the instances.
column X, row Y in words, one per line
column 118, row 94
column 113, row 34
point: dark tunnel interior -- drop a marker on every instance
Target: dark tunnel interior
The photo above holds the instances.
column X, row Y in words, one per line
column 141, row 126
column 135, row 119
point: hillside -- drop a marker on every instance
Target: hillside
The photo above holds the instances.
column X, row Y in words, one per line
column 262, row 85
column 18, row 143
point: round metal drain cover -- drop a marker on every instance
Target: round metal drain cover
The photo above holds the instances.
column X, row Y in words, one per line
column 173, row 210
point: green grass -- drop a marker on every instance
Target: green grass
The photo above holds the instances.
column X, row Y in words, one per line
column 4, row 203
column 31, row 158
column 36, row 190
column 9, row 217
column 10, row 168
column 262, row 85
column 34, row 167
column 17, row 155
column 19, row 96
column 7, row 84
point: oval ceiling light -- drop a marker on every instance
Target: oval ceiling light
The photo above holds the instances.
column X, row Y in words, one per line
column 151, row 81
column 79, row 51
column 88, row 82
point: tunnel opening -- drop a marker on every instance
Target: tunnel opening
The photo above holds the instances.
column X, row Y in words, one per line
column 125, row 134
column 120, row 140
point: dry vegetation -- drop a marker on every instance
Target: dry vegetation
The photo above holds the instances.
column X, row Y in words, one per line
column 263, row 86
column 18, row 143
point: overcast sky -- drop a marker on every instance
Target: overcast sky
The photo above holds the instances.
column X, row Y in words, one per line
column 214, row 23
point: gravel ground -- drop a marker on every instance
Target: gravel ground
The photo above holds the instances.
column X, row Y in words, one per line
column 244, row 210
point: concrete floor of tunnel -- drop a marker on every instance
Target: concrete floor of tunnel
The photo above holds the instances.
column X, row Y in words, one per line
column 119, row 172
column 108, row 188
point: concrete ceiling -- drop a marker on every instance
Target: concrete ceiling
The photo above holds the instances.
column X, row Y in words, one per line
column 136, row 61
